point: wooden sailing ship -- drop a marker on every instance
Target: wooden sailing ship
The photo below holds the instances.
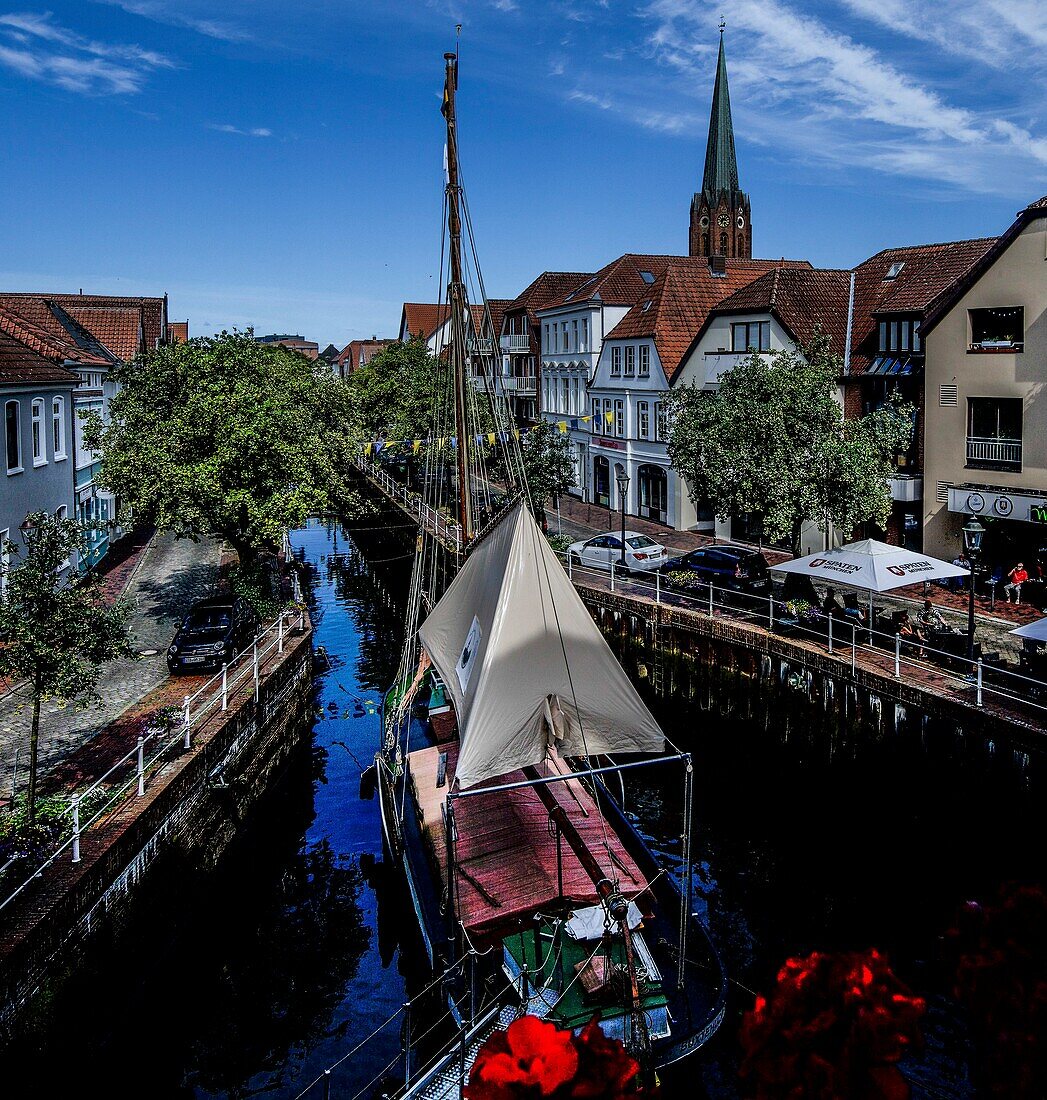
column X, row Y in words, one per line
column 532, row 888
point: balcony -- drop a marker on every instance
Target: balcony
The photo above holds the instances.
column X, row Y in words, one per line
column 480, row 346
column 983, row 451
column 906, row 489
column 524, row 384
column 516, row 343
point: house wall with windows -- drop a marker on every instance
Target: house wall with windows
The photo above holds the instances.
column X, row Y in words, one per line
column 627, row 428
column 571, row 339
column 986, row 402
column 37, row 460
column 728, row 340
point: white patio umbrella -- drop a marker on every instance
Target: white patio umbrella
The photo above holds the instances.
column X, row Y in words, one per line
column 872, row 565
column 1037, row 631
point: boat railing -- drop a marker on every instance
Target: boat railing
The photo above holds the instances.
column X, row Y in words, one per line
column 92, row 802
column 975, row 681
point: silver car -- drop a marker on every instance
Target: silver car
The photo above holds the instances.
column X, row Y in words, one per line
column 641, row 553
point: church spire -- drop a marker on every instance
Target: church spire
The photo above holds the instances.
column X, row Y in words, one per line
column 720, row 211
column 721, row 165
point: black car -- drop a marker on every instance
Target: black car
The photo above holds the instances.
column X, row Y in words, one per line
column 213, row 632
column 735, row 568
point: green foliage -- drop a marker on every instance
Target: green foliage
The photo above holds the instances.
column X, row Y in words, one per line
column 57, row 634
column 560, row 543
column 254, row 585
column 548, row 462
column 394, row 394
column 773, row 441
column 224, row 436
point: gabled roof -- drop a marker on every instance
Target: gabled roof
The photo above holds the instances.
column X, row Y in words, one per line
column 676, row 307
column 497, row 307
column 51, row 332
column 329, row 354
column 948, row 299
column 926, row 274
column 620, row 283
column 21, row 365
column 802, row 299
column 550, row 286
column 422, row 318
column 349, row 356
column 152, row 311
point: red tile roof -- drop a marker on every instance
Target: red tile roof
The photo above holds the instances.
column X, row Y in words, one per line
column 349, row 357
column 21, row 365
column 1039, row 204
column 676, row 306
column 119, row 328
column 802, row 299
column 619, row 283
column 549, row 287
column 497, row 307
column 51, row 332
column 422, row 318
column 928, row 272
column 153, row 311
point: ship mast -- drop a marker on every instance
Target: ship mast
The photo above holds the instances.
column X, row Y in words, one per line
column 457, row 302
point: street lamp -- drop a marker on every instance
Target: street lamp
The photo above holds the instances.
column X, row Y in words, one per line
column 972, row 545
column 623, row 489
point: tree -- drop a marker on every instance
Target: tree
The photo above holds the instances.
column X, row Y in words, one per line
column 773, row 440
column 548, row 463
column 393, row 395
column 57, row 633
column 224, row 436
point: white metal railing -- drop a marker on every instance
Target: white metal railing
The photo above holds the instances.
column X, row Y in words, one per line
column 984, row 449
column 841, row 637
column 523, row 383
column 154, row 744
column 516, row 342
column 445, row 529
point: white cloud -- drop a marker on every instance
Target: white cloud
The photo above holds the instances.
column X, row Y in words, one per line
column 578, row 96
column 175, row 14
column 226, row 128
column 45, row 50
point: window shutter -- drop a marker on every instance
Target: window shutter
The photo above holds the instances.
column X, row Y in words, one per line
column 947, row 397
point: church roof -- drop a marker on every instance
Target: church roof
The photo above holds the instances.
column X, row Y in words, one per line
column 721, row 164
column 677, row 306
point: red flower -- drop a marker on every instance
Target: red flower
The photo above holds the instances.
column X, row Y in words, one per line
column 533, row 1059
column 834, row 1026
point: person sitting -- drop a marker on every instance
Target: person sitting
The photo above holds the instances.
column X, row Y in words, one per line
column 909, row 630
column 853, row 609
column 831, row 606
column 1018, row 576
column 931, row 619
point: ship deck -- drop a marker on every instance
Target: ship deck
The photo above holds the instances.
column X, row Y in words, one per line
column 506, row 853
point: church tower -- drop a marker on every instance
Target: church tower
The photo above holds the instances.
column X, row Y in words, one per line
column 720, row 211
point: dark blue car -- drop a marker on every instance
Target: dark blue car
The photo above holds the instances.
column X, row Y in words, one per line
column 734, row 568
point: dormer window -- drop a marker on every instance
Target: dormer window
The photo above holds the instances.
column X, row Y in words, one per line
column 894, row 270
column 900, row 335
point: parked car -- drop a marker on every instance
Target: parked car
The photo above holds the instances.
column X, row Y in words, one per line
column 734, row 568
column 641, row 553
column 211, row 634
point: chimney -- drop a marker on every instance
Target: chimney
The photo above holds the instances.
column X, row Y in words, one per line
column 718, row 265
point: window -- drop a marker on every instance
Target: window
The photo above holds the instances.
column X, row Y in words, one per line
column 751, row 336
column 723, row 244
column 894, row 270
column 39, row 442
column 574, row 334
column 58, row 427
column 619, row 418
column 643, row 420
column 994, row 432
column 1000, row 328
column 645, row 361
column 62, row 514
column 899, row 335
column 564, row 387
column 647, row 276
column 630, row 361
column 565, row 345
column 661, row 423
column 14, row 442
column 585, row 335
column 5, row 563
column 616, row 360
column 545, row 337
column 608, row 417
column 595, row 426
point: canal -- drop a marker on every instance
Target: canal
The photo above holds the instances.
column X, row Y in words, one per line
column 252, row 979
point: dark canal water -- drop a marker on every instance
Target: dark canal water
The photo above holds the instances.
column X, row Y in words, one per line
column 251, row 980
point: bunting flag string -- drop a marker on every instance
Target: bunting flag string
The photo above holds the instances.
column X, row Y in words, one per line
column 414, row 446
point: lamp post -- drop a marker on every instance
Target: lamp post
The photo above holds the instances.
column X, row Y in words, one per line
column 972, row 545
column 623, row 488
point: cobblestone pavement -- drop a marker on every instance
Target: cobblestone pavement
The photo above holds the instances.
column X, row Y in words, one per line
column 173, row 573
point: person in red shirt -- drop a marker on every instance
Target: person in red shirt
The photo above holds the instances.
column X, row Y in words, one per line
column 1018, row 576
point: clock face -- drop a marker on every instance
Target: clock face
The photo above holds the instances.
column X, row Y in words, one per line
column 723, row 221
column 741, row 222
column 704, row 221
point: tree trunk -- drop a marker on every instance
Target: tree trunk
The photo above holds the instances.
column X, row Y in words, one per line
column 797, row 532
column 34, row 744
column 247, row 554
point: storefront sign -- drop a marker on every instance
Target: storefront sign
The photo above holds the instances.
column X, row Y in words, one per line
column 598, row 442
column 1019, row 506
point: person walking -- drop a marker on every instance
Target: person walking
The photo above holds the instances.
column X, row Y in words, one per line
column 1018, row 576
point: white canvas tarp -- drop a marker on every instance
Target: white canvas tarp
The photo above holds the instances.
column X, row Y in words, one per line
column 1035, row 632
column 521, row 655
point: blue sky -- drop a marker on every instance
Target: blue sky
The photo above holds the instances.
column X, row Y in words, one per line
column 280, row 164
